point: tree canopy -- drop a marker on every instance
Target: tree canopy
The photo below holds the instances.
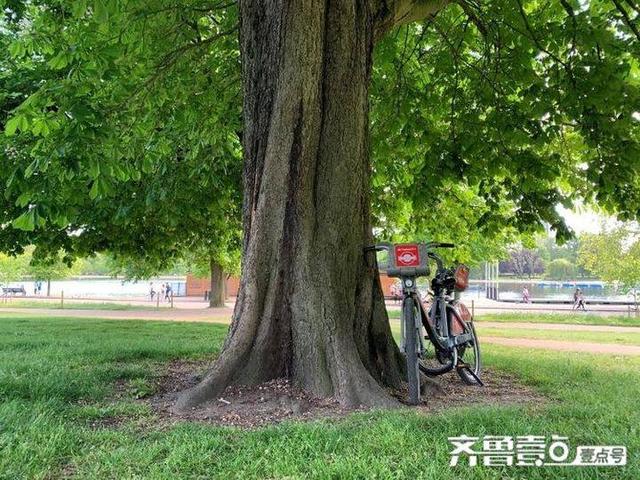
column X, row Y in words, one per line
column 122, row 122
column 125, row 137
column 526, row 104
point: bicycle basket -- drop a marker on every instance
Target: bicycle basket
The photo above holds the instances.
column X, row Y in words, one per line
column 461, row 275
column 463, row 312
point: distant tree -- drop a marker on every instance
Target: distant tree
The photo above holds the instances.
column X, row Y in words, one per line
column 30, row 264
column 98, row 264
column 523, row 262
column 560, row 269
column 549, row 250
column 50, row 267
column 218, row 267
column 12, row 268
column 614, row 256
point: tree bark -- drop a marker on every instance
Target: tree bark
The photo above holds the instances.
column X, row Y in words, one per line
column 218, row 292
column 310, row 306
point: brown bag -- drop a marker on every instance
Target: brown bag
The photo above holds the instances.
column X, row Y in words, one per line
column 457, row 322
column 461, row 275
column 463, row 312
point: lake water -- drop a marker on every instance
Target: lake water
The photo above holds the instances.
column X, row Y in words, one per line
column 551, row 290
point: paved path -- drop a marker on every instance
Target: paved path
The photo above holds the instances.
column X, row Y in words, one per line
column 557, row 326
column 482, row 305
column 179, row 302
column 564, row 346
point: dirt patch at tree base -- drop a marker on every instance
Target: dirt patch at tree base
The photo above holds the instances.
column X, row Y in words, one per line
column 276, row 401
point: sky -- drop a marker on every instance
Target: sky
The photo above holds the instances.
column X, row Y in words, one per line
column 585, row 220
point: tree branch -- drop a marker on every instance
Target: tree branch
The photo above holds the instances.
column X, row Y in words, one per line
column 468, row 10
column 633, row 5
column 534, row 38
column 572, row 15
column 390, row 14
column 626, row 19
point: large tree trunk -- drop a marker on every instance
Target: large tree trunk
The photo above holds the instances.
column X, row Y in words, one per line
column 218, row 292
column 310, row 306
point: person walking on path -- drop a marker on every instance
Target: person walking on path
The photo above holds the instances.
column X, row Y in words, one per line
column 579, row 302
column 526, row 298
column 152, row 291
column 168, row 292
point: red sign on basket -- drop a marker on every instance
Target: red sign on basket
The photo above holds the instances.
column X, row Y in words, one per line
column 407, row 255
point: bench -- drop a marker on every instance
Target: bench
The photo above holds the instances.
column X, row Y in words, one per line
column 13, row 290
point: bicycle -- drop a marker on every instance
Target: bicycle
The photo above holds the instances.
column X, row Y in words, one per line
column 453, row 342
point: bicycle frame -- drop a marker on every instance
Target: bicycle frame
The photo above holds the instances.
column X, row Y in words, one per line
column 408, row 262
column 437, row 331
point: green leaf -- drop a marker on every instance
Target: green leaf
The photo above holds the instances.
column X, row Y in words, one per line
column 16, row 49
column 18, row 122
column 30, row 169
column 95, row 190
column 100, row 11
column 23, row 199
column 94, row 168
column 40, row 127
column 78, row 8
column 59, row 61
column 12, row 125
column 61, row 221
column 26, row 221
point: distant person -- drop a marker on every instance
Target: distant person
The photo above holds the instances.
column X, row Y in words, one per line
column 526, row 297
column 168, row 292
column 152, row 291
column 581, row 303
column 162, row 290
column 576, row 297
column 396, row 292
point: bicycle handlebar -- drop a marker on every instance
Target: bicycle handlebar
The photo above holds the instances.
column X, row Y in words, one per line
column 437, row 259
column 440, row 245
column 386, row 246
column 408, row 259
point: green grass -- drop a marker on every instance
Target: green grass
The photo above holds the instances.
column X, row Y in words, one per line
column 570, row 317
column 57, row 378
column 595, row 337
column 574, row 318
column 56, row 304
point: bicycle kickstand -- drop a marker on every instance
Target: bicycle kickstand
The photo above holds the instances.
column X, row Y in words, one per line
column 464, row 366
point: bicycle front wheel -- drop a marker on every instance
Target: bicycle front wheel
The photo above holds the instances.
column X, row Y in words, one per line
column 469, row 353
column 435, row 359
column 411, row 349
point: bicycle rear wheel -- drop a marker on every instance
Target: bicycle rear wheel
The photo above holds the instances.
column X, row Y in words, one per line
column 411, row 349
